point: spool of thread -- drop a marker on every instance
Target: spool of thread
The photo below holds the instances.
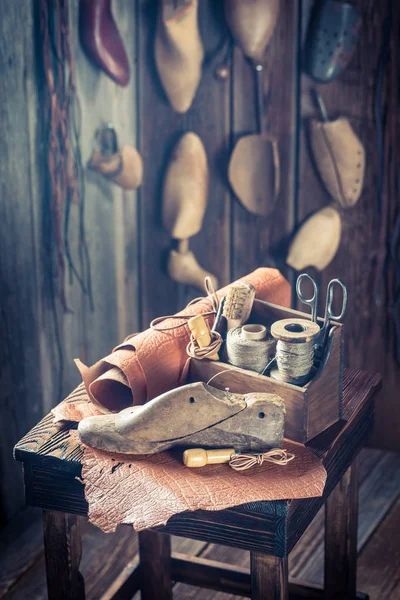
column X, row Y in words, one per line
column 294, row 349
column 249, row 347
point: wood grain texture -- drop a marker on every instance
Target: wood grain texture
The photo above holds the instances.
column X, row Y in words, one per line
column 227, row 571
column 51, row 440
column 378, row 565
column 379, row 475
column 118, row 557
column 160, row 128
column 29, row 372
column 343, row 450
column 63, row 551
column 341, row 514
column 255, row 239
column 107, row 560
column 310, row 409
column 262, row 526
column 269, row 577
column 155, row 566
column 20, row 345
column 20, row 546
column 369, row 328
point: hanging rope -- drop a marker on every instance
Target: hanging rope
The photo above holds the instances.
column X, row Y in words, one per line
column 64, row 163
column 65, row 181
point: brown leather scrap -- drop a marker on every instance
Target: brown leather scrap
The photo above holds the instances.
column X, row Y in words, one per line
column 146, row 491
column 151, row 363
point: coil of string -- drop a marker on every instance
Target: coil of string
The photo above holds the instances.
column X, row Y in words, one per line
column 295, row 349
column 246, row 353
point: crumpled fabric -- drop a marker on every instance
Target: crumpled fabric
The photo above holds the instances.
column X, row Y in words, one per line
column 151, row 363
column 146, row 491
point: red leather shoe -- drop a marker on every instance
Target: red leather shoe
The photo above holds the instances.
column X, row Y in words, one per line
column 101, row 40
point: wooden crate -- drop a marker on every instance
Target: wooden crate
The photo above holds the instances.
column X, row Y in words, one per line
column 310, row 409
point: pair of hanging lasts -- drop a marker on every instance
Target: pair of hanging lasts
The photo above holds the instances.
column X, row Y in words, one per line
column 184, row 202
column 178, row 49
column 254, row 166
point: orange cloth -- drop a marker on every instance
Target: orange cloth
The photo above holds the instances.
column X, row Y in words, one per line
column 151, row 363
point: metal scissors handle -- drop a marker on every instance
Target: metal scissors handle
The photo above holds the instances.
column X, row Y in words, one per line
column 313, row 301
column 330, row 294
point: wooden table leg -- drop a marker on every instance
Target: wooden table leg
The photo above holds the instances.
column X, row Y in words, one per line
column 63, row 551
column 155, row 565
column 269, row 577
column 341, row 514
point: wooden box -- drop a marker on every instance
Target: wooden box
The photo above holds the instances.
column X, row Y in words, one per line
column 310, row 409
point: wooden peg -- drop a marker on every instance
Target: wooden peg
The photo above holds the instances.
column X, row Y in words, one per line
column 125, row 168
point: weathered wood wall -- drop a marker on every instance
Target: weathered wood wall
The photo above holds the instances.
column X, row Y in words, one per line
column 29, row 365
column 369, row 327
column 128, row 246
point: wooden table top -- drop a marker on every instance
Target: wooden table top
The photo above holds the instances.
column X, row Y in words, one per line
column 52, row 464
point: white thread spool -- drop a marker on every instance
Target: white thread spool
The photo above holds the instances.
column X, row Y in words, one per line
column 249, row 347
column 294, row 349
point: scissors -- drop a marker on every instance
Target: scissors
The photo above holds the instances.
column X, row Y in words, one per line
column 313, row 302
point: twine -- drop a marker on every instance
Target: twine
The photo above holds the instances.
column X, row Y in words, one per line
column 219, row 373
column 248, row 354
column 294, row 349
column 277, row 456
column 194, row 351
column 294, row 360
column 211, row 297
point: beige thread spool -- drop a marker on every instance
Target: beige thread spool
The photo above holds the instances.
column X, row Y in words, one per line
column 201, row 333
column 294, row 349
column 249, row 347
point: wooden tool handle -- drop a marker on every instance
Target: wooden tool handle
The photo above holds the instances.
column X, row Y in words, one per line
column 198, row 457
column 201, row 333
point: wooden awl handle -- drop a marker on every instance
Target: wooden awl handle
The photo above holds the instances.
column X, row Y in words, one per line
column 198, row 457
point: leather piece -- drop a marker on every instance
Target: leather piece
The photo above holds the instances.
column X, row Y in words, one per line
column 152, row 362
column 146, row 491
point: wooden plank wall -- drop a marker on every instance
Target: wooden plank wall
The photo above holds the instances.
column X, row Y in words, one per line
column 20, row 386
column 29, row 366
column 369, row 330
column 128, row 246
column 160, row 128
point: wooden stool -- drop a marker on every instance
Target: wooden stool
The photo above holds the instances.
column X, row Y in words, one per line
column 269, row 530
